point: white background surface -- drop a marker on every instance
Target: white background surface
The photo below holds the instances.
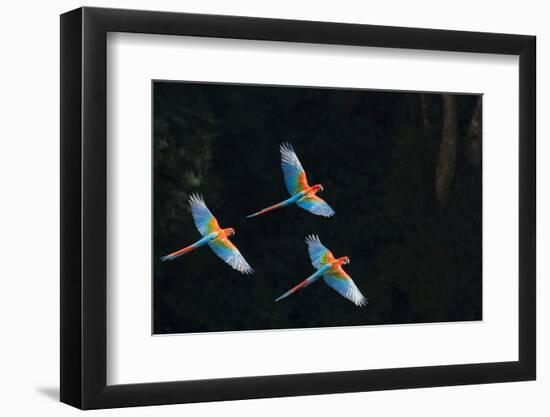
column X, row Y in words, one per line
column 30, row 206
column 134, row 356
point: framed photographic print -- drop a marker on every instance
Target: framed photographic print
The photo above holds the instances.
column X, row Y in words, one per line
column 258, row 208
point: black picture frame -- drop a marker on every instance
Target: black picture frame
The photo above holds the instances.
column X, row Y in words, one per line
column 84, row 207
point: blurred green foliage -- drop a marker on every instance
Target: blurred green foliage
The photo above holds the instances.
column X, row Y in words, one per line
column 414, row 261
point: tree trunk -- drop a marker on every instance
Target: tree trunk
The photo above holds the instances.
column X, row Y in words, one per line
column 425, row 114
column 447, row 151
column 473, row 140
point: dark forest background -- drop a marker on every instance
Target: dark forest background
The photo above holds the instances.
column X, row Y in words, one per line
column 401, row 170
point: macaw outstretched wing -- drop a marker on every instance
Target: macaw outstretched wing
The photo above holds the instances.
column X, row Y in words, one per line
column 229, row 253
column 316, row 205
column 338, row 279
column 295, row 176
column 318, row 253
column 205, row 221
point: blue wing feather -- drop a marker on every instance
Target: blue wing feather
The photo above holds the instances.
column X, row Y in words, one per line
column 342, row 282
column 316, row 205
column 295, row 176
column 318, row 253
column 205, row 221
column 229, row 253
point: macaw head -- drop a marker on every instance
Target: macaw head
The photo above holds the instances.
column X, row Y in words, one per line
column 345, row 260
column 317, row 187
column 229, row 231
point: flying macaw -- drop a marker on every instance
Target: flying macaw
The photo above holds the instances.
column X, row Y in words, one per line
column 214, row 236
column 331, row 270
column 296, row 183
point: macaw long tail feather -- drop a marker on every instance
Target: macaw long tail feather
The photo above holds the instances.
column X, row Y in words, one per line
column 180, row 252
column 197, row 244
column 288, row 201
column 301, row 285
column 265, row 210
